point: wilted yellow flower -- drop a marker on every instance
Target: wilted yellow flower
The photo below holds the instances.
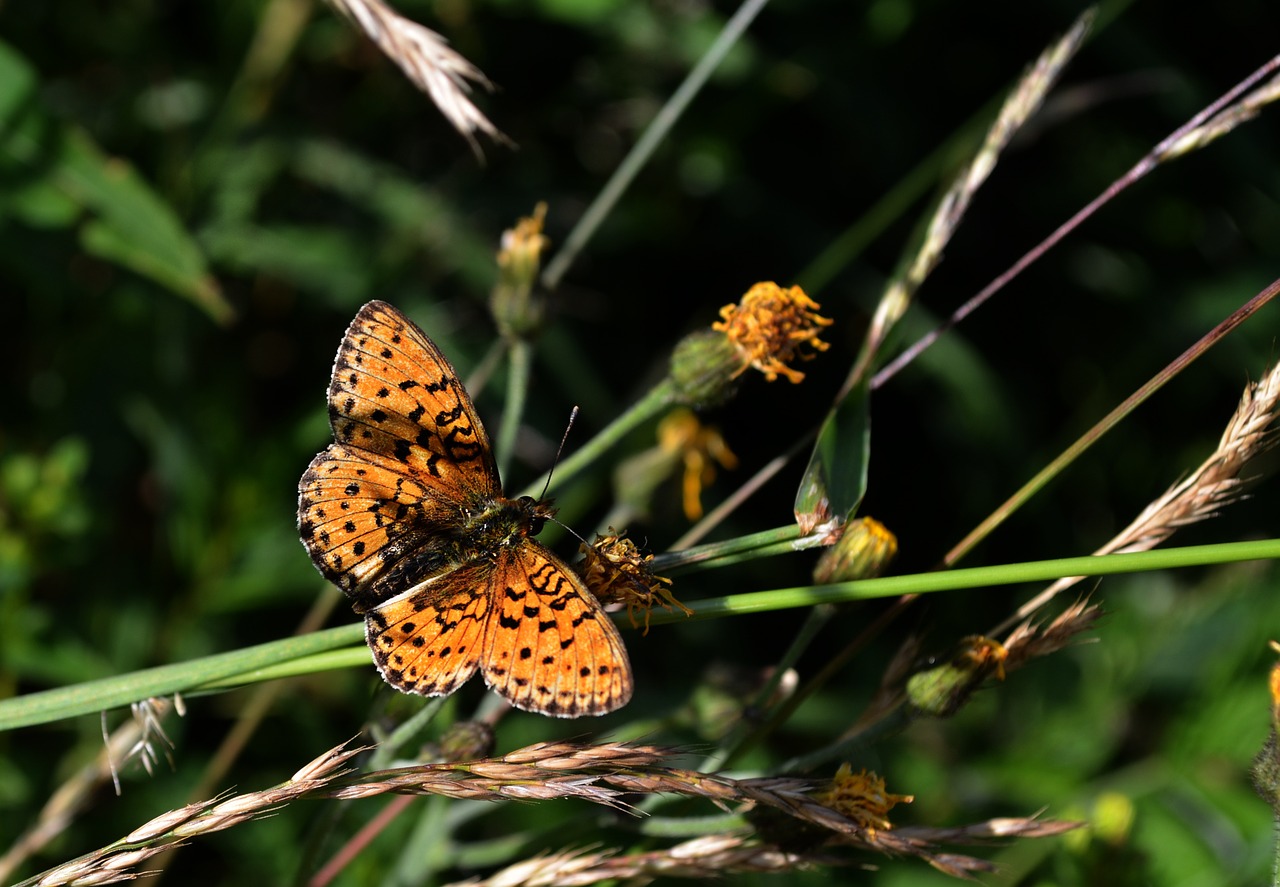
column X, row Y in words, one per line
column 864, row 550
column 699, row 447
column 766, row 330
column 861, row 797
column 770, row 325
column 515, row 309
column 616, row 572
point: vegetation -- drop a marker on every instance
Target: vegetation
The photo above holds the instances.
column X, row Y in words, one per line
column 197, row 198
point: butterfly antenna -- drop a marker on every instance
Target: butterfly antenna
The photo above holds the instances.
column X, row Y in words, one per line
column 573, row 415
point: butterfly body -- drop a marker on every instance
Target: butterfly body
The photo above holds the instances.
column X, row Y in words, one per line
column 405, row 513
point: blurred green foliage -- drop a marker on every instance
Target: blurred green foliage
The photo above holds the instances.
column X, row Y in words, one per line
column 188, row 226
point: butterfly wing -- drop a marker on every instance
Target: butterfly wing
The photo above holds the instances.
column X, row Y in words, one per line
column 394, row 394
column 405, row 514
column 429, row 639
column 376, row 508
column 549, row 647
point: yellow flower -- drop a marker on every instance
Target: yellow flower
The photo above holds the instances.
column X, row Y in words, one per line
column 766, row 330
column 770, row 325
column 699, row 447
column 861, row 797
column 864, row 550
column 515, row 310
column 616, row 572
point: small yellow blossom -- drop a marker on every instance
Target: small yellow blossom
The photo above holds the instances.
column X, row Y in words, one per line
column 864, row 550
column 515, row 309
column 770, row 325
column 616, row 572
column 861, row 797
column 699, row 447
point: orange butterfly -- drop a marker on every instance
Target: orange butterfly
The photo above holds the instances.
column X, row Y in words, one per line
column 405, row 513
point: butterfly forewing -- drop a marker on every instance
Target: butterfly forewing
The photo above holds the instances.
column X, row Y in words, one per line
column 395, row 394
column 364, row 519
column 406, row 515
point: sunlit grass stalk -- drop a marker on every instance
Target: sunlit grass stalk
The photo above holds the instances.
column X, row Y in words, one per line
column 164, row 680
column 244, row 665
column 1090, row 437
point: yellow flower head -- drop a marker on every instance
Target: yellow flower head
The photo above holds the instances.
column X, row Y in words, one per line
column 512, row 303
column 616, row 572
column 864, row 550
column 770, row 325
column 861, row 797
column 765, row 330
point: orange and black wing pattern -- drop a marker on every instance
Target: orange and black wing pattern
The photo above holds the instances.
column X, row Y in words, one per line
column 405, row 513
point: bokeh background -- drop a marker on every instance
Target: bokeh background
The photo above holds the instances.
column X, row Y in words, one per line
column 150, row 447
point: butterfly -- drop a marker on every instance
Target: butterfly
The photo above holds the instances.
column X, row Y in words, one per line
column 405, row 513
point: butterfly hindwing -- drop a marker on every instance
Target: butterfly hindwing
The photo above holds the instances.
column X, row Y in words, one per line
column 430, row 640
column 550, row 647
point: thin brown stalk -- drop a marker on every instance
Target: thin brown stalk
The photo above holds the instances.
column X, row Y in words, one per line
column 428, row 61
column 1090, row 437
column 1219, row 481
column 1212, row 122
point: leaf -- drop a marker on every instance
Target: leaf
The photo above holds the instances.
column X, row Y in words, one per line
column 836, row 477
column 50, row 169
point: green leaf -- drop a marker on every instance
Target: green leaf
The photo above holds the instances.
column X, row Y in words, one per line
column 127, row 222
column 836, row 477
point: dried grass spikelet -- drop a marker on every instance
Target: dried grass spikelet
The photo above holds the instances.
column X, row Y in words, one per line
column 1218, row 482
column 428, row 61
column 604, row 773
